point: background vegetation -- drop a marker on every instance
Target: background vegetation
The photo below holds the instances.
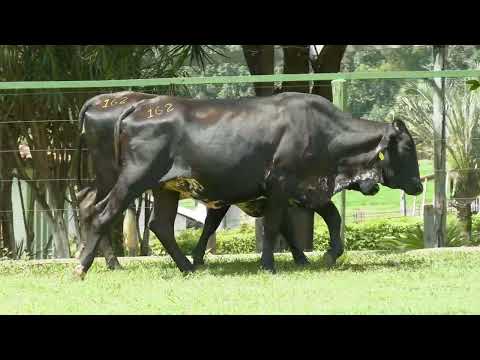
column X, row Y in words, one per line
column 373, row 99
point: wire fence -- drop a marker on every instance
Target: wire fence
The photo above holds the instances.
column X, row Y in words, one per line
column 200, row 87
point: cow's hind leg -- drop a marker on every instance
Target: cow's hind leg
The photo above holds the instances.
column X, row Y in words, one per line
column 332, row 218
column 287, row 231
column 87, row 199
column 212, row 221
column 165, row 211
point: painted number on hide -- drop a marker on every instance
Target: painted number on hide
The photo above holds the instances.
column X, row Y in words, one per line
column 113, row 102
column 159, row 110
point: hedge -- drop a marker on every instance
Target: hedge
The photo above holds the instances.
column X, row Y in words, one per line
column 384, row 234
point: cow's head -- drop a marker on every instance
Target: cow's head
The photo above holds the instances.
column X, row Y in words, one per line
column 396, row 155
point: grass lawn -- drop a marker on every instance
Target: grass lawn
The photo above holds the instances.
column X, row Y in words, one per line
column 441, row 281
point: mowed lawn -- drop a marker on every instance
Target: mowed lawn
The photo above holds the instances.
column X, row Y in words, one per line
column 441, row 281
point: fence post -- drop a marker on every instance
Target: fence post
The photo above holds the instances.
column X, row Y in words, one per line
column 403, row 204
column 439, row 160
column 429, row 240
column 424, row 195
column 340, row 97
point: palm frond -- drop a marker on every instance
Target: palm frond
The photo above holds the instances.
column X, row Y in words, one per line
column 199, row 54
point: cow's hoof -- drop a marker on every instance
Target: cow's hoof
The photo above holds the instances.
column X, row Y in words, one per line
column 301, row 261
column 113, row 264
column 198, row 262
column 187, row 268
column 79, row 273
column 329, row 260
column 269, row 269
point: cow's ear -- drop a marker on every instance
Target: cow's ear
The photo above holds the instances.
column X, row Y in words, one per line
column 378, row 154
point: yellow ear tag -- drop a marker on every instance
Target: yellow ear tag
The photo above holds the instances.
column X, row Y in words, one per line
column 380, row 155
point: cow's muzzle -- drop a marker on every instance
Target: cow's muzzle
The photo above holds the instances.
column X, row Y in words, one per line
column 415, row 189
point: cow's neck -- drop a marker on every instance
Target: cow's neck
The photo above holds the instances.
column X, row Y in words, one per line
column 353, row 147
column 353, row 137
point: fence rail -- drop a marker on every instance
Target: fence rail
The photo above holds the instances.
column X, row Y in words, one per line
column 17, row 87
column 357, row 75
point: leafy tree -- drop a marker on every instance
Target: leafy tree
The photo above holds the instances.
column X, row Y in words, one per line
column 415, row 105
column 72, row 62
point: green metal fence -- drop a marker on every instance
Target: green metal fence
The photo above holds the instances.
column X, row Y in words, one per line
column 369, row 75
column 13, row 88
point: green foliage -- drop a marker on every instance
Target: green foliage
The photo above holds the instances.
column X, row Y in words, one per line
column 234, row 241
column 415, row 105
column 71, row 62
column 385, row 234
column 474, row 84
column 230, row 62
column 374, row 98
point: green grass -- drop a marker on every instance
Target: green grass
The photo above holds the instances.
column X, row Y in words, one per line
column 443, row 281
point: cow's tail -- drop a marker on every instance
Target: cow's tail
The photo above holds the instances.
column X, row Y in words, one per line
column 81, row 142
column 116, row 134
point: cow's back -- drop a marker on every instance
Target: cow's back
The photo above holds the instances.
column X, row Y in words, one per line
column 220, row 142
column 99, row 117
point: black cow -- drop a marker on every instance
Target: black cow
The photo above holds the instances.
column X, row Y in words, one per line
column 97, row 118
column 261, row 154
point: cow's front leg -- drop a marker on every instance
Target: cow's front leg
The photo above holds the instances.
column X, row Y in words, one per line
column 274, row 211
column 212, row 221
column 332, row 218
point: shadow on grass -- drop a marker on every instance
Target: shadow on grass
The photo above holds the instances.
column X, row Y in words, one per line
column 406, row 264
column 285, row 264
column 242, row 266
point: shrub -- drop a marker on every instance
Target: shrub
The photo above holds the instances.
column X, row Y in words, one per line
column 384, row 234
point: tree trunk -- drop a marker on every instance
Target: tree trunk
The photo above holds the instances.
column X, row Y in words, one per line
column 145, row 240
column 328, row 61
column 76, row 218
column 260, row 61
column 130, row 232
column 465, row 222
column 137, row 220
column 55, row 219
column 60, row 237
column 6, row 216
column 296, row 60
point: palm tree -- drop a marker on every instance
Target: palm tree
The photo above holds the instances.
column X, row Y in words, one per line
column 414, row 104
column 72, row 62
